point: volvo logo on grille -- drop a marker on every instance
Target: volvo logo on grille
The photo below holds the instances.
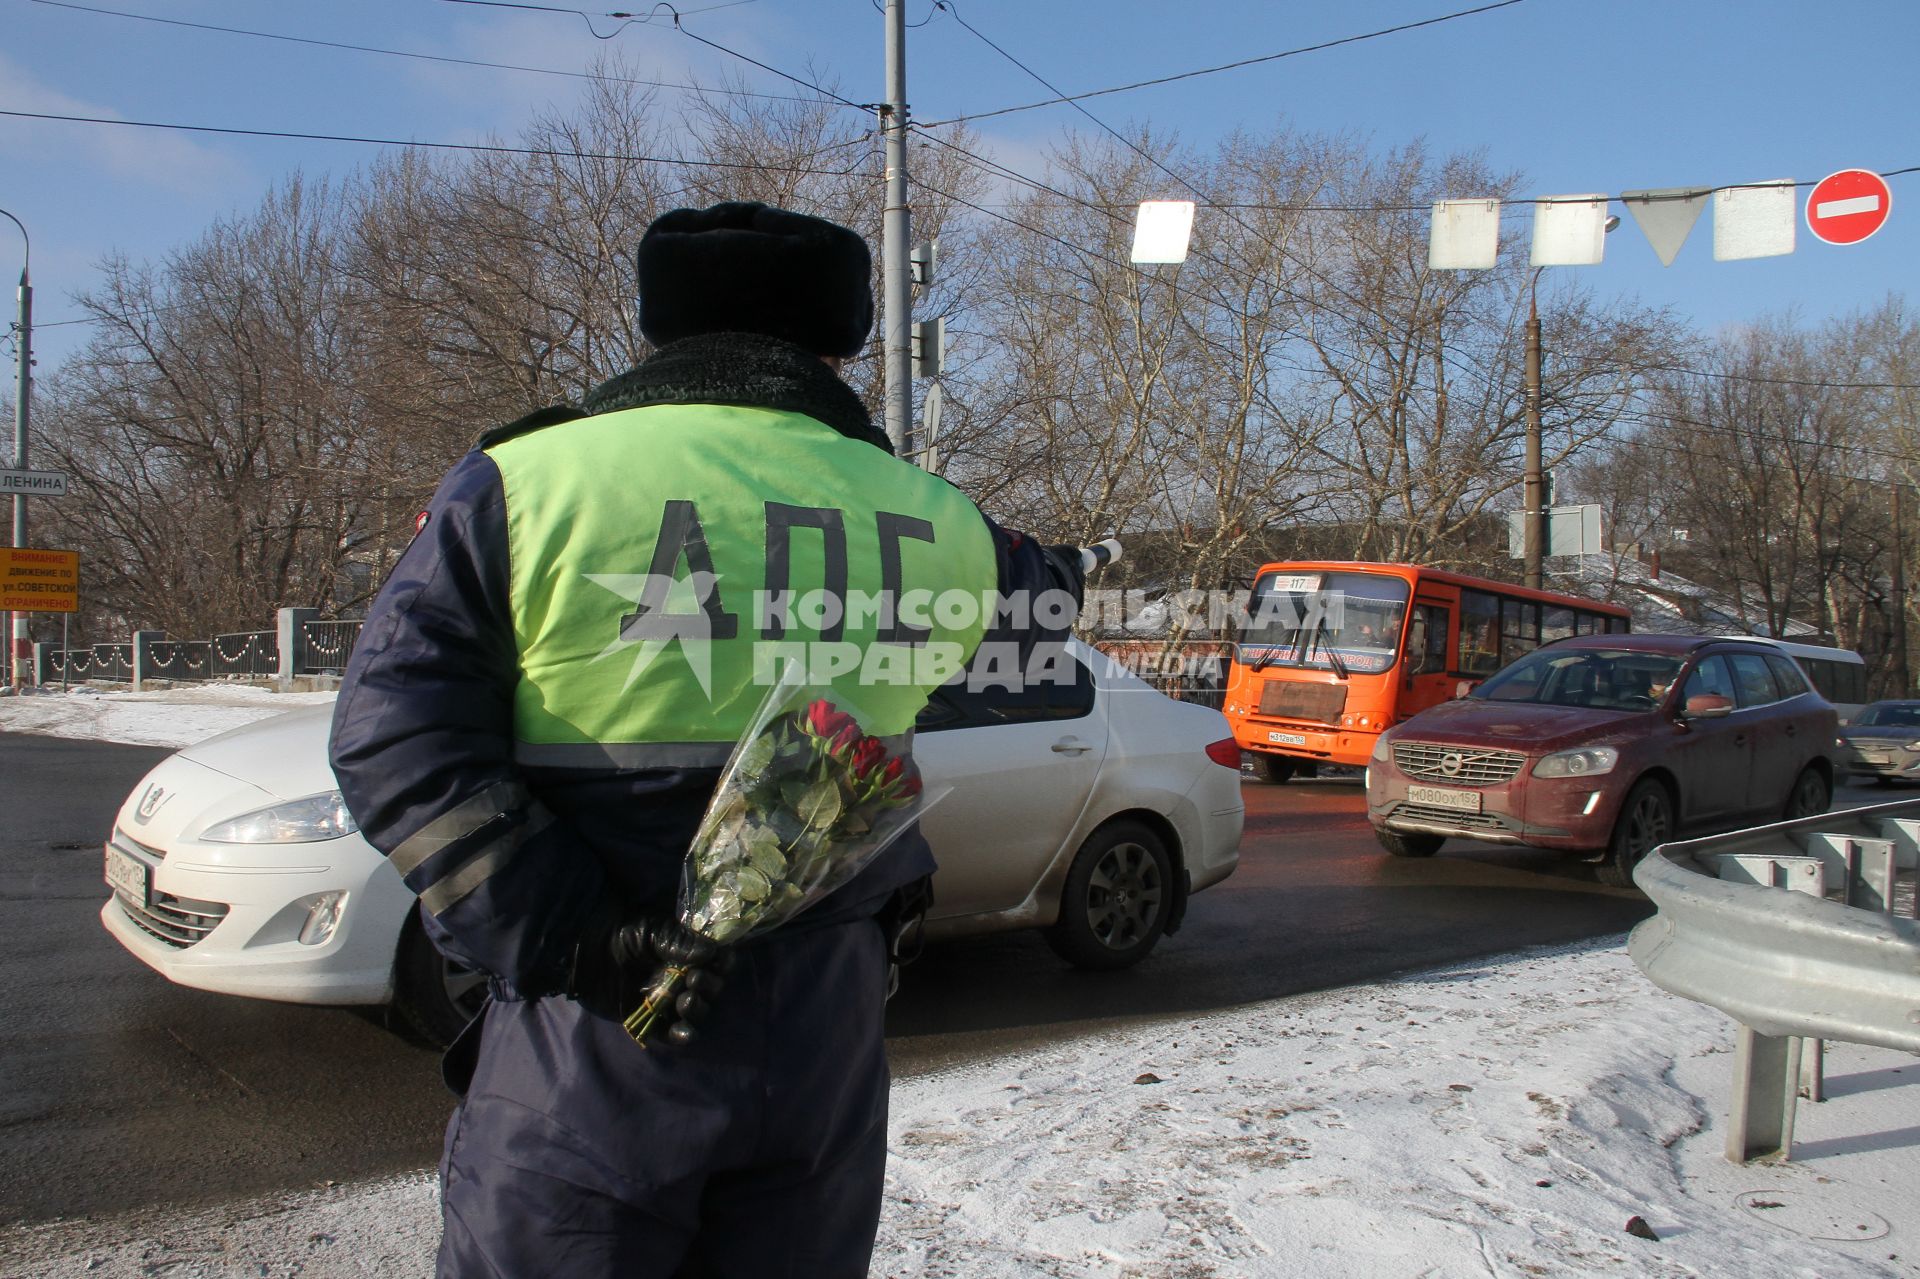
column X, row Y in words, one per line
column 150, row 801
column 1451, row 763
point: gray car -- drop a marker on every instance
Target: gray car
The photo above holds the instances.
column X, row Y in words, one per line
column 1883, row 741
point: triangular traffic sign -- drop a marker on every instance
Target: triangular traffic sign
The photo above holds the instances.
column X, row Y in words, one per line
column 1665, row 215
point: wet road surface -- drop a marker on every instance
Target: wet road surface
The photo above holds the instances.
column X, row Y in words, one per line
column 123, row 1090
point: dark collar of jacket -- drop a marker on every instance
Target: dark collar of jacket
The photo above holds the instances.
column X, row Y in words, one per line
column 740, row 368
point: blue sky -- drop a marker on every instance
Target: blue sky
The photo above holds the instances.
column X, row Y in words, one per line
column 1579, row 95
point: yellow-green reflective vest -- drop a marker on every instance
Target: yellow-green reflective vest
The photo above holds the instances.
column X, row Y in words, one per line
column 668, row 561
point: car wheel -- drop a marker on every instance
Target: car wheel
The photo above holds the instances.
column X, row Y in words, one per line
column 1119, row 890
column 1402, row 844
column 1646, row 820
column 436, row 995
column 1810, row 795
column 1276, row 769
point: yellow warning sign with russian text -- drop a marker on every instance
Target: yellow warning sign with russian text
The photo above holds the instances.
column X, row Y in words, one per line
column 39, row 581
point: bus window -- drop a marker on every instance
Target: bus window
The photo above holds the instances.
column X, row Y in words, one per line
column 1427, row 640
column 1837, row 681
column 1555, row 623
column 1519, row 629
column 1479, row 633
column 1336, row 621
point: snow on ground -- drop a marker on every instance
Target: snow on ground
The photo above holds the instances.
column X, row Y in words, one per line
column 171, row 717
column 1506, row 1117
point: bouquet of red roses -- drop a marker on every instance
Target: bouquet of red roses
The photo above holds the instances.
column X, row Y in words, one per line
column 806, row 802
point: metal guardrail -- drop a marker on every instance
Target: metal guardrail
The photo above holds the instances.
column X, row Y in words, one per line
column 1833, row 960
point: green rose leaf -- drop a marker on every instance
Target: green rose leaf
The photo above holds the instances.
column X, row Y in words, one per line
column 751, row 884
column 763, row 853
column 757, row 754
column 820, row 805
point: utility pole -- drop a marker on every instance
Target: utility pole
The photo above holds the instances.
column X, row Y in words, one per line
column 1902, row 680
column 896, row 242
column 1533, row 484
column 22, row 410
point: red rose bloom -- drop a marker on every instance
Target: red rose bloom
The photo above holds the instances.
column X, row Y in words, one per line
column 867, row 756
column 824, row 721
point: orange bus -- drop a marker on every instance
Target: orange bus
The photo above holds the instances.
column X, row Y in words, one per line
column 1336, row 652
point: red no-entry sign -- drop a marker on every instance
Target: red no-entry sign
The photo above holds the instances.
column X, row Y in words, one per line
column 1848, row 206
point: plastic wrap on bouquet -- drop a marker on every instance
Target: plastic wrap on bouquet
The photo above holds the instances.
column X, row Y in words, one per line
column 808, row 799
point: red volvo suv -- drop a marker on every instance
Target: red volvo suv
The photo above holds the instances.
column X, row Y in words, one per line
column 1607, row 745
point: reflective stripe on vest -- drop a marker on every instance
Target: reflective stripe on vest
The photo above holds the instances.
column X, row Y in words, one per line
column 667, row 561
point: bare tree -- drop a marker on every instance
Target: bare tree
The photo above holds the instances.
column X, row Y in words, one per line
column 207, row 421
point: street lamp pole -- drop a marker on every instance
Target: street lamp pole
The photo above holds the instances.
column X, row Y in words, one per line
column 1533, row 481
column 22, row 410
column 896, row 237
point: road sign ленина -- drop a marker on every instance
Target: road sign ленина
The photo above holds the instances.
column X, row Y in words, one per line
column 33, row 484
column 1848, row 206
column 34, row 581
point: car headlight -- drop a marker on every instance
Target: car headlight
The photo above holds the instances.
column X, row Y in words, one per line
column 1588, row 761
column 1913, row 746
column 298, row 821
column 1380, row 748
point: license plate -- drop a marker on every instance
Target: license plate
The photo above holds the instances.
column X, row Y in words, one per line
column 1461, row 801
column 1287, row 739
column 1876, row 757
column 128, row 874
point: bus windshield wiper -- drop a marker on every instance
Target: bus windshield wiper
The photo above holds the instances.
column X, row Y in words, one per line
column 1320, row 637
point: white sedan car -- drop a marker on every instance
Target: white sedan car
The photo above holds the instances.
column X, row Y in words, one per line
column 1090, row 810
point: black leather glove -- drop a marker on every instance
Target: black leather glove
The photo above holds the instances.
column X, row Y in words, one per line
column 617, row 960
column 903, row 921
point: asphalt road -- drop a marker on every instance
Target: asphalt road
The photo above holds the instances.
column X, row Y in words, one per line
column 124, row 1091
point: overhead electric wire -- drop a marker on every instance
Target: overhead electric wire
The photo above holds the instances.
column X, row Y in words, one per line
column 995, row 168
column 676, row 15
column 423, row 57
column 499, row 148
column 1645, row 417
column 1230, row 66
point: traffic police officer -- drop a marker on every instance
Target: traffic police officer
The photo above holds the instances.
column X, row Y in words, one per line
column 533, row 722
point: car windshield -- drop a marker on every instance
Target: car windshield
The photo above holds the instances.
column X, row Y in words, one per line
column 1344, row 622
column 1604, row 679
column 1889, row 715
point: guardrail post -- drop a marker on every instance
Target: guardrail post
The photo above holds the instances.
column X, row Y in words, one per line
column 143, row 655
column 1766, row 1088
column 43, row 663
column 290, row 621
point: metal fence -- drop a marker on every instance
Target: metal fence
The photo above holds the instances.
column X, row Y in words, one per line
column 1190, row 671
column 300, row 645
column 179, row 660
column 1800, row 931
column 322, row 648
column 113, row 662
column 249, row 653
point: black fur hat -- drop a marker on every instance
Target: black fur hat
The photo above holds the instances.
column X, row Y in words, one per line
column 752, row 268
